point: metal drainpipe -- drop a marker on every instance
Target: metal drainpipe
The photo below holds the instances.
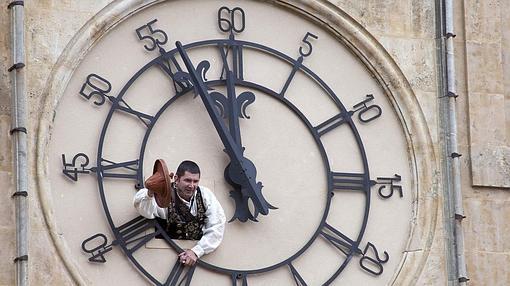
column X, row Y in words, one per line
column 19, row 138
column 452, row 145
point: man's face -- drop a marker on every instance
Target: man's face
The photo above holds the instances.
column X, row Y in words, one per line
column 187, row 184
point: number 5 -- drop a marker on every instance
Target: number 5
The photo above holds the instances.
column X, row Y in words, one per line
column 308, row 44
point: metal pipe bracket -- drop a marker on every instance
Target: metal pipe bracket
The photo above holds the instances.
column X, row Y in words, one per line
column 18, row 129
column 23, row 194
column 15, row 3
column 21, row 258
column 455, row 155
column 16, row 66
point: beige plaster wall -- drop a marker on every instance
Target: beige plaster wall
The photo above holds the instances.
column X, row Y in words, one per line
column 406, row 30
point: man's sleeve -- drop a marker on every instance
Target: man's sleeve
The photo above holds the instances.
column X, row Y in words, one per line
column 147, row 206
column 214, row 225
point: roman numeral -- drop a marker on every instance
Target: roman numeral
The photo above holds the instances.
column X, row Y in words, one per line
column 332, row 123
column 133, row 234
column 235, row 276
column 237, row 54
column 295, row 274
column 166, row 65
column 350, row 181
column 178, row 276
column 339, row 240
column 124, row 106
column 237, row 61
column 295, row 68
column 124, row 170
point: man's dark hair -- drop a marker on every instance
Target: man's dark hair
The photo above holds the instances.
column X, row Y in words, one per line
column 189, row 166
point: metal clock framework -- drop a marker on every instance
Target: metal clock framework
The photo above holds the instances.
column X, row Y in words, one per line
column 225, row 110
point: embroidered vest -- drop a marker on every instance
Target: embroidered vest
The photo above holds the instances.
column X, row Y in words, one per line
column 180, row 223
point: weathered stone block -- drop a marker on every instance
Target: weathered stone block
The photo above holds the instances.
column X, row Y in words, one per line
column 415, row 18
column 490, row 145
column 507, row 112
column 5, row 143
column 484, row 67
column 423, row 18
column 490, row 165
column 428, row 103
column 416, row 57
column 356, row 9
column 506, row 50
column 5, row 61
column 7, row 209
column 485, row 129
column 7, row 252
column 486, row 227
column 483, row 20
column 383, row 17
column 487, row 268
column 389, row 17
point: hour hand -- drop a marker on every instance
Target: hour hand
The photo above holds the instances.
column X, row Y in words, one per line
column 242, row 178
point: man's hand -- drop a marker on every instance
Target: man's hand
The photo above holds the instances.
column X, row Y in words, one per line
column 188, row 257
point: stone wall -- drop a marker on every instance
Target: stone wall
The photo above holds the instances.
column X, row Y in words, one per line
column 407, row 30
column 483, row 52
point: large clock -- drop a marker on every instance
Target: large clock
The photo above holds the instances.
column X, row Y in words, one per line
column 307, row 153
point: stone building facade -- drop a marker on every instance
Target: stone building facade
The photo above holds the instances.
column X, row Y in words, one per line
column 411, row 33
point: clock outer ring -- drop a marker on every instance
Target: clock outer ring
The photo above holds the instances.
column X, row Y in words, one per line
column 289, row 105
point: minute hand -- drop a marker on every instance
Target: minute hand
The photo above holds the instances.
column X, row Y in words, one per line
column 234, row 150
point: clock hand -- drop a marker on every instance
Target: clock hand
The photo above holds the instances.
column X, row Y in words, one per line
column 242, row 171
column 242, row 211
column 233, row 114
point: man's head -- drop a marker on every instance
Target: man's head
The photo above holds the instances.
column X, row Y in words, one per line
column 186, row 179
column 188, row 166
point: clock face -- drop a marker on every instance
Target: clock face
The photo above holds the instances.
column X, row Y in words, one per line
column 330, row 187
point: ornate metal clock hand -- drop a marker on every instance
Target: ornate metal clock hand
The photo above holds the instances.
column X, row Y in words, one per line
column 233, row 115
column 241, row 172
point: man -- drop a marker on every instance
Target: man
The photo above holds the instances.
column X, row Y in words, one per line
column 184, row 209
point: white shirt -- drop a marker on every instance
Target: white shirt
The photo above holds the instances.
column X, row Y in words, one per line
column 214, row 223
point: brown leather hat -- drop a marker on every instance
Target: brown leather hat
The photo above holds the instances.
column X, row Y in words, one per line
column 160, row 183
